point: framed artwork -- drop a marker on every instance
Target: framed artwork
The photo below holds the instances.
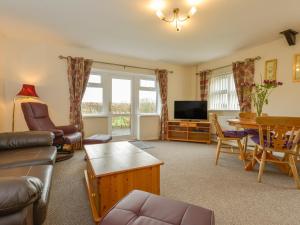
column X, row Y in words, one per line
column 271, row 69
column 296, row 76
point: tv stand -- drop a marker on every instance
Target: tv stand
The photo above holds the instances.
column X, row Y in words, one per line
column 191, row 131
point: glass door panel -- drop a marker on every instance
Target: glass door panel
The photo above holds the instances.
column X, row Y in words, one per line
column 121, row 107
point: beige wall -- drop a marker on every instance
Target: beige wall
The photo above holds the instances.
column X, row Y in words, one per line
column 284, row 100
column 34, row 62
column 143, row 125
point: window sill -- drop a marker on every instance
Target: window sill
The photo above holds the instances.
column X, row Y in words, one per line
column 95, row 116
column 148, row 114
column 223, row 110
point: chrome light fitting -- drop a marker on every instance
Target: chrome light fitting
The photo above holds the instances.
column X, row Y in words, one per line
column 176, row 19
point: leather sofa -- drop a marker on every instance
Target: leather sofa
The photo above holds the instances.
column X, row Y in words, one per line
column 26, row 166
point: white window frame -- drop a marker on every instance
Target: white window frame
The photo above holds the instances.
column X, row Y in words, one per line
column 97, row 85
column 106, row 84
column 140, row 88
column 229, row 93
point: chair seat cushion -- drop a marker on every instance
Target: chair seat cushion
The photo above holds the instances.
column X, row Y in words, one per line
column 256, row 140
column 27, row 157
column 141, row 208
column 72, row 138
column 251, row 131
column 44, row 173
column 235, row 133
column 98, row 139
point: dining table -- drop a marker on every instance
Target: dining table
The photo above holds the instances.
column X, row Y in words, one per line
column 251, row 124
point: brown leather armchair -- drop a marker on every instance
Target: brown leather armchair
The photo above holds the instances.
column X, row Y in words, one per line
column 37, row 118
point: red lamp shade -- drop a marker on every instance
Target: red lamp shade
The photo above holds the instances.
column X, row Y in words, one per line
column 28, row 91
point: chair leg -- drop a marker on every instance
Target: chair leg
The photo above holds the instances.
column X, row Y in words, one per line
column 241, row 149
column 245, row 144
column 253, row 156
column 218, row 151
column 294, row 170
column 262, row 166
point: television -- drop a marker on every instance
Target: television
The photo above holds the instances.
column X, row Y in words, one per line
column 190, row 110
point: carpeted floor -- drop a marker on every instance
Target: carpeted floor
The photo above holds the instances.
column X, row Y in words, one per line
column 189, row 175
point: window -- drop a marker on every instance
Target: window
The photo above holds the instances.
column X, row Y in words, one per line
column 92, row 101
column 222, row 93
column 148, row 96
column 112, row 93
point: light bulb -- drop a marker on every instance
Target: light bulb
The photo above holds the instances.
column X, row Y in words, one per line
column 177, row 24
column 158, row 5
column 160, row 15
column 192, row 11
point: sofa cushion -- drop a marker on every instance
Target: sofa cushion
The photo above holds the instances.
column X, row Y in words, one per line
column 27, row 139
column 27, row 157
column 140, row 207
column 44, row 173
column 18, row 192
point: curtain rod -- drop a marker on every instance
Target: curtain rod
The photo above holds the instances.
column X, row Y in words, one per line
column 116, row 64
column 223, row 67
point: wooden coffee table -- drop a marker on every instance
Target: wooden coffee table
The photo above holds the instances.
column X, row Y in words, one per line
column 114, row 169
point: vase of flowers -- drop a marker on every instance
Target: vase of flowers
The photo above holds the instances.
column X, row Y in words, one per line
column 261, row 92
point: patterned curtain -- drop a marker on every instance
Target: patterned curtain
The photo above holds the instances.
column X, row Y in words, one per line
column 203, row 84
column 78, row 74
column 162, row 77
column 243, row 72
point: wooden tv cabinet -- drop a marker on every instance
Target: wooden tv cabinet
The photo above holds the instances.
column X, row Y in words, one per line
column 192, row 131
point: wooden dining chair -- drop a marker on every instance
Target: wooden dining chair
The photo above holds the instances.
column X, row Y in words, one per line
column 247, row 115
column 278, row 134
column 250, row 116
column 225, row 136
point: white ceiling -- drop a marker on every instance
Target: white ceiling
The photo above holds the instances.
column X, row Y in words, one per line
column 130, row 27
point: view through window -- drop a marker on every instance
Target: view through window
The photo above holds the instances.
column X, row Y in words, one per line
column 148, row 96
column 222, row 93
column 92, row 101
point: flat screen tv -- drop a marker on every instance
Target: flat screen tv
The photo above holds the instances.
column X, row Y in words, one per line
column 190, row 110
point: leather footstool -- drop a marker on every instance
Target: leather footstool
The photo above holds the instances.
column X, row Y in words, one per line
column 142, row 208
column 97, row 139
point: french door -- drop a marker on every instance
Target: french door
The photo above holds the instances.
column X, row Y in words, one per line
column 120, row 97
column 121, row 116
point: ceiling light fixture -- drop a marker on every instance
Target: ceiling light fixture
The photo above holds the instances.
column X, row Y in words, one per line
column 176, row 19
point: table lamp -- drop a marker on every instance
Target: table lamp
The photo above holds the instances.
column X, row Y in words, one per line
column 27, row 91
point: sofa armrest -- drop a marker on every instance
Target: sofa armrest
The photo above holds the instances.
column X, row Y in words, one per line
column 69, row 129
column 18, row 192
column 13, row 140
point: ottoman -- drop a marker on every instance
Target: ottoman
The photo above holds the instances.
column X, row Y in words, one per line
column 142, row 208
column 97, row 139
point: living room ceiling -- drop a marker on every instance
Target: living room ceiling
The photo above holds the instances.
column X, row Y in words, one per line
column 131, row 28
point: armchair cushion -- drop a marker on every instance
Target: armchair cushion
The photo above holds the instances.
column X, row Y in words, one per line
column 72, row 138
column 18, row 192
column 57, row 133
column 69, row 129
column 25, row 139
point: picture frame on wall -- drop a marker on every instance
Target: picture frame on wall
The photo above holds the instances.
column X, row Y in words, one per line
column 296, row 75
column 271, row 69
